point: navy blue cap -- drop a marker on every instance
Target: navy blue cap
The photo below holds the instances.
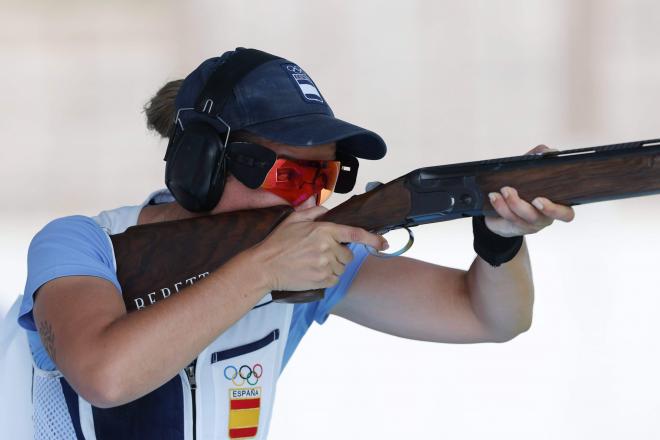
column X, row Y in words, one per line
column 278, row 101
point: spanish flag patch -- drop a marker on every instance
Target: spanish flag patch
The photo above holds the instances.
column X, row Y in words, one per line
column 244, row 407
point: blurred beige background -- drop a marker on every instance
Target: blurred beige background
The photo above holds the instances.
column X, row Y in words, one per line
column 441, row 81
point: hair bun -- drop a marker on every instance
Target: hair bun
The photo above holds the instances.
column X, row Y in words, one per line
column 160, row 109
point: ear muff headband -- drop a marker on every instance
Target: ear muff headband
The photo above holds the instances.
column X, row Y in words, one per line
column 220, row 86
column 195, row 170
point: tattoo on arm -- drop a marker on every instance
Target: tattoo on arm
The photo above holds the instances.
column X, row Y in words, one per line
column 47, row 338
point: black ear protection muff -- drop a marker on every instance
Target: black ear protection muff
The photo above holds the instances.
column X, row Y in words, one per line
column 196, row 157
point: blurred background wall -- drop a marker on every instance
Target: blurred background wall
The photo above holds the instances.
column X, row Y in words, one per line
column 442, row 81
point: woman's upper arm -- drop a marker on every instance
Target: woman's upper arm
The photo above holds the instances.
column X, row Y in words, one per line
column 71, row 293
column 70, row 314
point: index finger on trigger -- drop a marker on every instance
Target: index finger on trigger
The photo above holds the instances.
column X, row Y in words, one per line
column 350, row 234
column 344, row 254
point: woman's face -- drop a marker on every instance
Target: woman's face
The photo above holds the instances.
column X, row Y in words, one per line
column 238, row 196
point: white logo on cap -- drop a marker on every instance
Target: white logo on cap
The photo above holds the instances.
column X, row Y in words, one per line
column 293, row 68
column 306, row 85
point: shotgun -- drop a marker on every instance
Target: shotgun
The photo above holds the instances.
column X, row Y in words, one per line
column 157, row 260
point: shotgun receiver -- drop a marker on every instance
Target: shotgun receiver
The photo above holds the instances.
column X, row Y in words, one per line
column 157, row 260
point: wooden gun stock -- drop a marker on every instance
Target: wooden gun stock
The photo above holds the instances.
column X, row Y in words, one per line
column 157, row 260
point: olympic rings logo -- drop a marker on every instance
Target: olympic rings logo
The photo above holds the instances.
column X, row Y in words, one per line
column 293, row 68
column 244, row 374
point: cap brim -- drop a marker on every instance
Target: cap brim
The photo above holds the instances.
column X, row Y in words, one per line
column 315, row 129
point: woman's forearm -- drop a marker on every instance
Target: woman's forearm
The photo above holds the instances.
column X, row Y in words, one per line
column 144, row 349
column 503, row 297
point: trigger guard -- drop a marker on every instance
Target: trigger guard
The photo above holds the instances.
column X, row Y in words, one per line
column 379, row 254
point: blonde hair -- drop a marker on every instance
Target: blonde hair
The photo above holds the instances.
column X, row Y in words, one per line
column 160, row 109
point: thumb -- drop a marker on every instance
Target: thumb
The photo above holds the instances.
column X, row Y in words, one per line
column 309, row 214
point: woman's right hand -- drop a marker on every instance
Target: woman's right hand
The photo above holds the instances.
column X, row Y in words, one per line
column 301, row 254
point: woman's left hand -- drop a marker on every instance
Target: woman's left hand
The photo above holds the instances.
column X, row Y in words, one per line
column 518, row 217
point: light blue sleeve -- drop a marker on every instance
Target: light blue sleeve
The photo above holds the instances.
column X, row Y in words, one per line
column 305, row 314
column 68, row 246
column 337, row 292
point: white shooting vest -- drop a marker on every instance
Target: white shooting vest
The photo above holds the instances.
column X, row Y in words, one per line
column 231, row 389
column 15, row 378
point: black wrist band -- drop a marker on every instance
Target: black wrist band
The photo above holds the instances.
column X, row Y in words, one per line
column 493, row 248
